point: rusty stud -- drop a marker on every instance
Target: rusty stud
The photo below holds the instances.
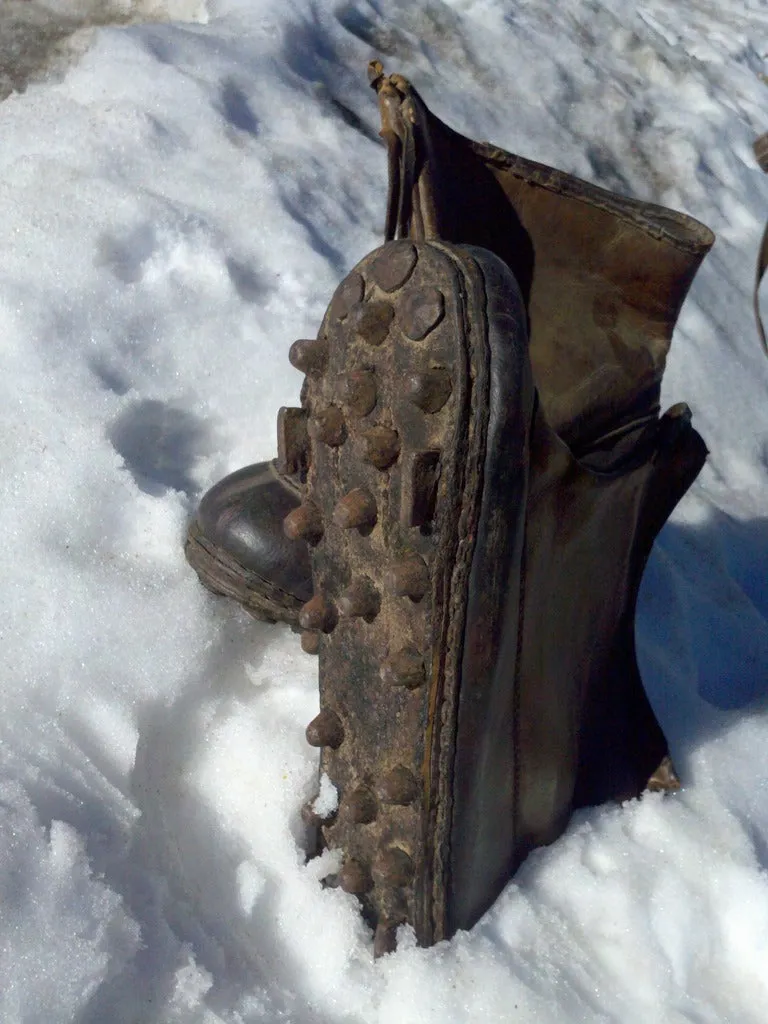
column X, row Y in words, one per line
column 408, row 578
column 430, row 389
column 382, row 446
column 360, row 807
column 398, row 787
column 304, row 523
column 356, row 510
column 421, row 310
column 392, row 268
column 310, row 641
column 393, row 867
column 359, row 392
column 309, row 355
column 355, row 878
column 360, row 600
column 349, row 292
column 370, row 321
column 325, row 730
column 318, row 614
column 329, row 427
column 404, row 668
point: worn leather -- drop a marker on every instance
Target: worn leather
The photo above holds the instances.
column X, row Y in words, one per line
column 602, row 276
column 483, row 838
column 559, row 718
column 577, row 290
column 552, row 711
column 243, row 514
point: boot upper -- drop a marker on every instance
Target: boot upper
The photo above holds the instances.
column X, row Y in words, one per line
column 602, row 276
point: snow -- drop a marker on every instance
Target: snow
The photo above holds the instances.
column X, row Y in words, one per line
column 177, row 202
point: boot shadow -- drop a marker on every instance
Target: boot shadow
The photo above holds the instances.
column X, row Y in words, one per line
column 702, row 627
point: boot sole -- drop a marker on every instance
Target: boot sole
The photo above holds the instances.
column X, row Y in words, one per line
column 398, row 411
column 223, row 576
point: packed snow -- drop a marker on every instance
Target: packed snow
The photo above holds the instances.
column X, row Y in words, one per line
column 177, row 202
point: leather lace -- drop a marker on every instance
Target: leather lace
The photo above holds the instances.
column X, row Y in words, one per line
column 403, row 220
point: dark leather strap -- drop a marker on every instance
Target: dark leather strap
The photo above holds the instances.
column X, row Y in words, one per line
column 761, row 153
column 399, row 136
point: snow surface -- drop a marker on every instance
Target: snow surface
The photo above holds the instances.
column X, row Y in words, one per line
column 177, row 207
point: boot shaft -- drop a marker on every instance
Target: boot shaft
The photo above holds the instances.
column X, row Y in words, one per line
column 603, row 277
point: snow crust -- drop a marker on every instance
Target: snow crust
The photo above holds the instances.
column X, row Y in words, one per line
column 176, row 207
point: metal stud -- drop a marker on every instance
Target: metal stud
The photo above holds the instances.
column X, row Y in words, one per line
column 325, row 730
column 318, row 614
column 392, row 268
column 420, row 311
column 329, row 427
column 404, row 668
column 430, row 389
column 398, row 787
column 310, row 641
column 349, row 292
column 361, row 600
column 382, row 446
column 393, row 867
column 304, row 523
column 370, row 321
column 309, row 355
column 359, row 392
column 360, row 807
column 356, row 510
column 408, row 578
column 355, row 878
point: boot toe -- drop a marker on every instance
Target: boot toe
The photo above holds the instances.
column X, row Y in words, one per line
column 237, row 546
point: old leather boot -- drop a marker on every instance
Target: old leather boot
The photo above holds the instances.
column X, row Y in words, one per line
column 237, row 546
column 478, row 546
column 474, row 590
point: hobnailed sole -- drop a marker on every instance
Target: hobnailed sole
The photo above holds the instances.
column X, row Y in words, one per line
column 397, row 396
column 224, row 576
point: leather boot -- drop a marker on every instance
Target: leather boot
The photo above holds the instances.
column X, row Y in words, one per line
column 474, row 590
column 237, row 546
column 478, row 544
